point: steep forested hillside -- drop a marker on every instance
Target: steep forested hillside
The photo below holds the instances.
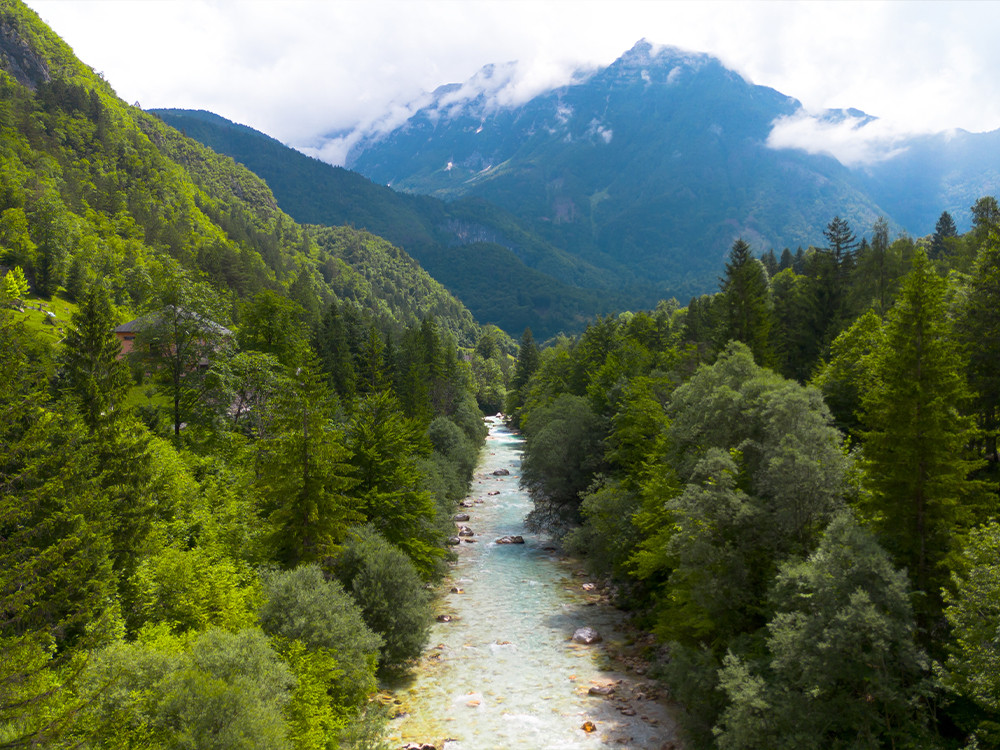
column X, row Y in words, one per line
column 97, row 189
column 228, row 463
column 503, row 273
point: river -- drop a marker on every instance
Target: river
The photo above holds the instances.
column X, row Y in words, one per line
column 504, row 672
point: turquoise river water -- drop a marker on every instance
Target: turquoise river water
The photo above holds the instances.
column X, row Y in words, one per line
column 504, row 672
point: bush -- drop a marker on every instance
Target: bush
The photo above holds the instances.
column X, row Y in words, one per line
column 301, row 605
column 391, row 595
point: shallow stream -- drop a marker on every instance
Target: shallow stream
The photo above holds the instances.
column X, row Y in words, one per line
column 504, row 672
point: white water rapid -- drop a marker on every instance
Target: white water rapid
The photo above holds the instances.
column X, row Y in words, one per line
column 504, row 672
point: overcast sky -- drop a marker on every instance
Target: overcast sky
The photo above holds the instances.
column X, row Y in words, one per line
column 299, row 70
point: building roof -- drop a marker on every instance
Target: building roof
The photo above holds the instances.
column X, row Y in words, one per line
column 134, row 326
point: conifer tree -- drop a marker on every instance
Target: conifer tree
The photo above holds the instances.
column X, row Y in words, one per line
column 335, row 352
column 748, row 316
column 305, row 478
column 527, row 362
column 944, row 230
column 96, row 376
column 916, row 446
column 979, row 330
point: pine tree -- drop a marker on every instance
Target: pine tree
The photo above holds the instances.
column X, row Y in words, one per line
column 527, row 362
column 96, row 376
column 305, row 477
column 944, row 230
column 335, row 352
column 748, row 314
column 916, row 446
column 979, row 330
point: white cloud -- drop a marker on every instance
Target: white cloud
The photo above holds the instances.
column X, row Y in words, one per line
column 298, row 69
column 853, row 141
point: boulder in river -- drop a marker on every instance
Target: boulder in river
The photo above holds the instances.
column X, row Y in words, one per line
column 460, row 517
column 601, row 690
column 444, row 618
column 586, row 635
column 493, row 492
column 453, row 540
column 419, row 746
column 510, row 540
column 464, row 530
column 501, row 473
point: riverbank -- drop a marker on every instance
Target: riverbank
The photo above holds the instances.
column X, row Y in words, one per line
column 502, row 669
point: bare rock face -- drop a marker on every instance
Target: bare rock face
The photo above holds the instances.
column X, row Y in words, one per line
column 510, row 540
column 586, row 635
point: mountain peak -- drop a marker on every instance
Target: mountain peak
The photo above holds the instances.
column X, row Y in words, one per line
column 648, row 54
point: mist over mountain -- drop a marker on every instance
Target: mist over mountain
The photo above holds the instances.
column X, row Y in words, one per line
column 658, row 162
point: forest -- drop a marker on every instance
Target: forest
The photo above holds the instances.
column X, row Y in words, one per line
column 227, row 537
column 793, row 483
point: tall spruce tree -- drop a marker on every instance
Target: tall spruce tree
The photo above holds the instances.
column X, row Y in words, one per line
column 916, row 447
column 748, row 314
column 305, row 478
column 527, row 362
column 979, row 330
column 944, row 230
column 96, row 376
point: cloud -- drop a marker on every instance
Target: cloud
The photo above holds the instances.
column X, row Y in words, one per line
column 852, row 139
column 299, row 70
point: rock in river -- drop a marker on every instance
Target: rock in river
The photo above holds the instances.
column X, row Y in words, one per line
column 464, row 531
column 501, row 473
column 460, row 517
column 510, row 540
column 586, row 635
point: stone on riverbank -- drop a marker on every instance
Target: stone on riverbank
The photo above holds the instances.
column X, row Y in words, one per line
column 586, row 635
column 460, row 517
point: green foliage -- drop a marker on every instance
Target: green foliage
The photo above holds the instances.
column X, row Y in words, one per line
column 384, row 447
column 978, row 331
column 561, row 459
column 745, row 289
column 972, row 669
column 95, row 375
column 916, row 447
column 390, row 593
column 305, row 476
column 340, row 651
column 842, row 669
column 218, row 690
column 14, row 286
column 848, row 374
column 195, row 589
column 272, row 324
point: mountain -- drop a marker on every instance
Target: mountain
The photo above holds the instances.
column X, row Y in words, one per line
column 468, row 245
column 95, row 189
column 651, row 167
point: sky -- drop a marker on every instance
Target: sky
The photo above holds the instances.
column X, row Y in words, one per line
column 311, row 72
